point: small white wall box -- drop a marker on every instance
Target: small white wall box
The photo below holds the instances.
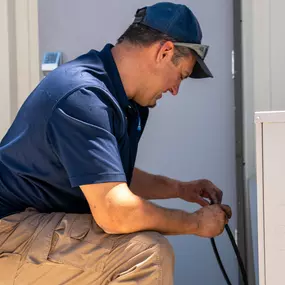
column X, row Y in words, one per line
column 270, row 159
column 51, row 61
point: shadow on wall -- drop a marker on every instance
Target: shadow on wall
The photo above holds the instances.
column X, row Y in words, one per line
column 253, row 218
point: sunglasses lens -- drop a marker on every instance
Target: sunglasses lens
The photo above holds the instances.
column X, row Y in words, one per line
column 201, row 50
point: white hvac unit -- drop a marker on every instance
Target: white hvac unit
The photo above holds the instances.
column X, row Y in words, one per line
column 270, row 151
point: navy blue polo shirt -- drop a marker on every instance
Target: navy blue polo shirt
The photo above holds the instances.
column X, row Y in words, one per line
column 76, row 128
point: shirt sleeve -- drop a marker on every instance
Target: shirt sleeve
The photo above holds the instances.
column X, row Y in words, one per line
column 80, row 132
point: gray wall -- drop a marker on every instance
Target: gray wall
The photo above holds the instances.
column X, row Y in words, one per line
column 188, row 137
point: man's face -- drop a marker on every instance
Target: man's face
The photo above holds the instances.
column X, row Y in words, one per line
column 164, row 75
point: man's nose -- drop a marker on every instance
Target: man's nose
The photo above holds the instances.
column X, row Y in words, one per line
column 174, row 90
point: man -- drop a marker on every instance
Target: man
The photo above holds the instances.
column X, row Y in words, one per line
column 73, row 209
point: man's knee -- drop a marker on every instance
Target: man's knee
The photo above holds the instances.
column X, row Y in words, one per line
column 160, row 244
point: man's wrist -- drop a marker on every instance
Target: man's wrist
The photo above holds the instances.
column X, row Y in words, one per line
column 185, row 188
column 171, row 186
column 177, row 188
column 191, row 224
column 174, row 186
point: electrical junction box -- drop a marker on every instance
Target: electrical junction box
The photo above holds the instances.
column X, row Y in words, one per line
column 270, row 164
column 51, row 61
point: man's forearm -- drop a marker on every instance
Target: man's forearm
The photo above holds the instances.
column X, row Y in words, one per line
column 141, row 215
column 149, row 186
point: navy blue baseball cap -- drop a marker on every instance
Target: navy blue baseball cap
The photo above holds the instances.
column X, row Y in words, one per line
column 178, row 22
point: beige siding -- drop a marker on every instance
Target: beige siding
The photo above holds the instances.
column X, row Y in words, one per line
column 19, row 72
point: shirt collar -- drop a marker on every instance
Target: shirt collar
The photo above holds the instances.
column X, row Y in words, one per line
column 113, row 73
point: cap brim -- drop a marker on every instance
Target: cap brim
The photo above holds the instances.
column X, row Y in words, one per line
column 200, row 70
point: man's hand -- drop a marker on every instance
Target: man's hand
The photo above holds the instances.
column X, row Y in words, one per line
column 196, row 191
column 211, row 220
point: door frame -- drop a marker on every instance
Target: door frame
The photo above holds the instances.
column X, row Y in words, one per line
column 27, row 35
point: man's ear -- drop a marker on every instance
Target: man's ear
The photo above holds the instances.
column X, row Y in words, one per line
column 165, row 51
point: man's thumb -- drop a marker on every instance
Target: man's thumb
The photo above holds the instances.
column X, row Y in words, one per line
column 202, row 202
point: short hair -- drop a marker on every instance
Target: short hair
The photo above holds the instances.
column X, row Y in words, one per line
column 140, row 34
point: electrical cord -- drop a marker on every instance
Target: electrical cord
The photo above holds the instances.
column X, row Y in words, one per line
column 236, row 250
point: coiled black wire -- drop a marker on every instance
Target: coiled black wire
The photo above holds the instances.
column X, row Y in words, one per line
column 240, row 262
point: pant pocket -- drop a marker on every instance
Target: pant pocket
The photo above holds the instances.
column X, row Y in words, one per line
column 13, row 231
column 9, row 264
column 7, row 227
column 80, row 242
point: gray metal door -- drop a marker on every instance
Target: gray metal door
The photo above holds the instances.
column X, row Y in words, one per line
column 190, row 136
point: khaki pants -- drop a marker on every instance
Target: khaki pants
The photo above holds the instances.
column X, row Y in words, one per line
column 59, row 248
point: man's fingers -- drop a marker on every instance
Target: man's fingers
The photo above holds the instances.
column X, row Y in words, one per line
column 227, row 210
column 217, row 196
column 220, row 196
column 214, row 198
column 202, row 202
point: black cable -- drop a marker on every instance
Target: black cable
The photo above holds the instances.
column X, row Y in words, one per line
column 240, row 262
column 220, row 261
